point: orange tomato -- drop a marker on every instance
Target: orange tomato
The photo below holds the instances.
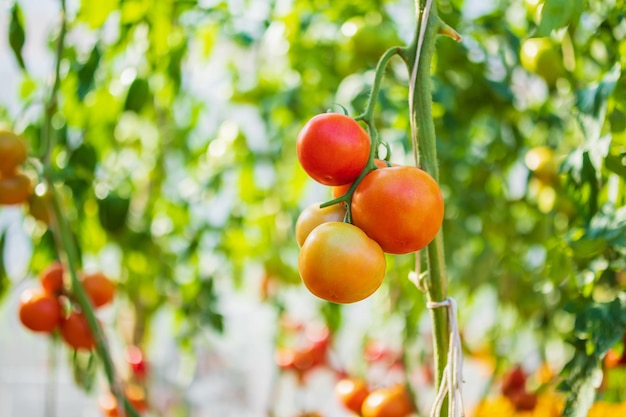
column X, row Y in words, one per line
column 51, row 278
column 399, row 207
column 15, row 189
column 340, row 263
column 333, row 148
column 76, row 333
column 39, row 311
column 387, row 402
column 313, row 216
column 99, row 288
column 13, row 152
column 351, row 392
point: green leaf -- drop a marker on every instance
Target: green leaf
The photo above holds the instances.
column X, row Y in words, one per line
column 591, row 104
column 113, row 211
column 138, row 95
column 17, row 36
column 617, row 164
column 581, row 381
column 557, row 14
column 601, row 324
column 86, row 73
column 95, row 13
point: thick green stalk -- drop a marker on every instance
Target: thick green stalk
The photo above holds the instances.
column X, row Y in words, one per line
column 435, row 282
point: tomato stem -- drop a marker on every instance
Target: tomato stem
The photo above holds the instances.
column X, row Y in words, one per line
column 367, row 117
column 63, row 233
column 418, row 61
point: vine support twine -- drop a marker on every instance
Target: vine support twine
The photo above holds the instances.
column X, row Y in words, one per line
column 453, row 372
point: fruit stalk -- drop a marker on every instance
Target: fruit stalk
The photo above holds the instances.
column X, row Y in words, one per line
column 62, row 231
column 423, row 132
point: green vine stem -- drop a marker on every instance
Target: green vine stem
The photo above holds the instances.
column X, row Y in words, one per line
column 423, row 130
column 63, row 233
column 367, row 117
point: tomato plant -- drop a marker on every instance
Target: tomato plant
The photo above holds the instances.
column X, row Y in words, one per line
column 340, row 263
column 76, row 333
column 400, row 207
column 13, row 152
column 39, row 310
column 314, row 215
column 333, row 148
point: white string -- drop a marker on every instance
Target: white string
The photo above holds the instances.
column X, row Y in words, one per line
column 453, row 372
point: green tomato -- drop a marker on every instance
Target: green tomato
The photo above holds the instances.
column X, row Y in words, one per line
column 542, row 57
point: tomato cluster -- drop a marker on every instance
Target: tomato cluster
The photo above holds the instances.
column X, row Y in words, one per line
column 355, row 395
column 15, row 186
column 52, row 306
column 392, row 209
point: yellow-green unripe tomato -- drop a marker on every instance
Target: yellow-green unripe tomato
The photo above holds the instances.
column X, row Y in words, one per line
column 541, row 56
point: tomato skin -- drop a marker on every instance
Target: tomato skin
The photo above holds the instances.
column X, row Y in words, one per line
column 99, row 288
column 39, row 311
column 399, row 207
column 340, row 263
column 51, row 278
column 312, row 216
column 15, row 189
column 351, row 392
column 333, row 148
column 387, row 402
column 13, row 152
column 76, row 333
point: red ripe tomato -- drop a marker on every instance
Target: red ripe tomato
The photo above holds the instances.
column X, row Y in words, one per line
column 15, row 189
column 13, row 151
column 340, row 190
column 76, row 333
column 137, row 361
column 39, row 311
column 51, row 278
column 99, row 288
column 313, row 216
column 387, row 402
column 333, row 148
column 399, row 207
column 513, row 381
column 351, row 392
column 340, row 263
